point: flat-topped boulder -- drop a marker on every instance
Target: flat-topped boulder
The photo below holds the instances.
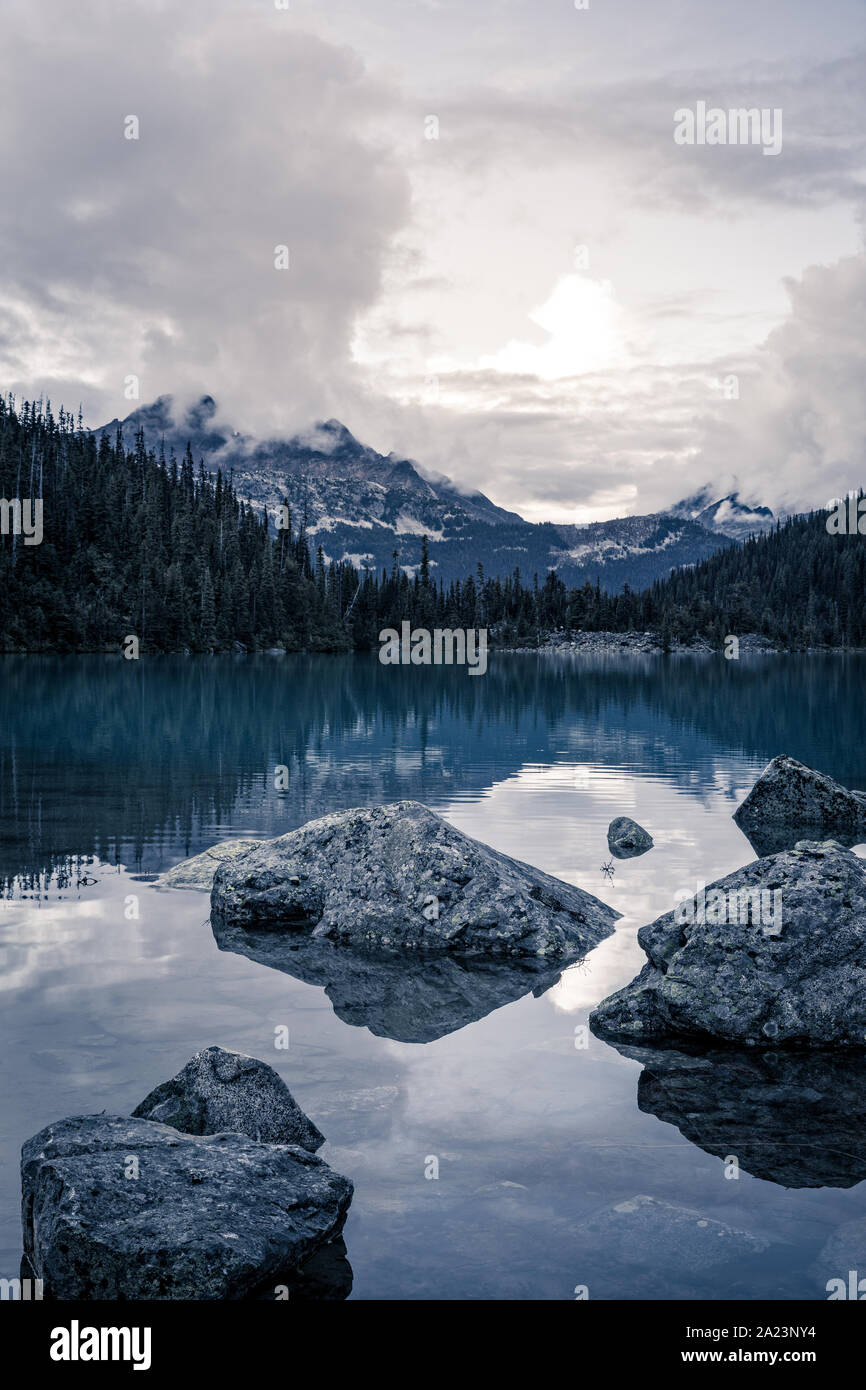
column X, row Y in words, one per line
column 119, row 1208
column 773, row 954
column 219, row 1090
column 789, row 796
column 399, row 877
column 198, row 872
column 626, row 839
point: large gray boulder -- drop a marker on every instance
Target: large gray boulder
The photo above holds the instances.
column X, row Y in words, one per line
column 626, row 839
column 773, row 953
column 118, row 1208
column 400, row 877
column 198, row 872
column 792, row 800
column 219, row 1090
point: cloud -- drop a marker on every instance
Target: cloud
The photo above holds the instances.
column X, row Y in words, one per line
column 431, row 301
column 800, row 426
column 784, row 422
column 581, row 323
column 156, row 256
column 626, row 127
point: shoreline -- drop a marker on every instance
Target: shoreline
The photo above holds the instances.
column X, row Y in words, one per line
column 650, row 644
column 592, row 643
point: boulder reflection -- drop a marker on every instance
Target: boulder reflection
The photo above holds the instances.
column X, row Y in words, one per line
column 793, row 1118
column 413, row 999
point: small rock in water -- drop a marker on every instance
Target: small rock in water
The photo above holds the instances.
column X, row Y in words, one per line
column 400, row 877
column 219, row 1090
column 118, row 1208
column 626, row 839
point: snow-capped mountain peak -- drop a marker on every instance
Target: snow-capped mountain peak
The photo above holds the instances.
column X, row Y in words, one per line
column 726, row 516
column 362, row 506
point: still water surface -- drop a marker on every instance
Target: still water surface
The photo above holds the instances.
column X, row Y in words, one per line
column 110, row 771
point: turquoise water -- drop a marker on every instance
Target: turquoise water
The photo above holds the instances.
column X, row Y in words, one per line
column 110, row 771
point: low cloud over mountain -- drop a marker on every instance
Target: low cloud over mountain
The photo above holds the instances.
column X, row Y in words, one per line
column 364, row 506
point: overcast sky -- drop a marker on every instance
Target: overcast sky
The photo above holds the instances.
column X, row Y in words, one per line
column 552, row 301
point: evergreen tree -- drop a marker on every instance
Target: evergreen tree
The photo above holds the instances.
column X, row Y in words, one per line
column 135, row 543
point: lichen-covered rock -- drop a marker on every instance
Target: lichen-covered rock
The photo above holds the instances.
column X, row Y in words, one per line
column 400, row 877
column 774, row 953
column 788, row 795
column 219, row 1090
column 626, row 839
column 118, row 1208
column 198, row 872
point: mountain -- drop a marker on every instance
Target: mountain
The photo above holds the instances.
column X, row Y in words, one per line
column 358, row 504
column 725, row 516
column 633, row 550
column 361, row 506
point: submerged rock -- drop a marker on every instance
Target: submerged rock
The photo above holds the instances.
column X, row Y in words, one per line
column 773, row 954
column 406, row 998
column 793, row 1118
column 117, row 1208
column 400, row 877
column 646, row 1248
column 626, row 839
column 840, row 1269
column 198, row 872
column 790, row 799
column 219, row 1090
